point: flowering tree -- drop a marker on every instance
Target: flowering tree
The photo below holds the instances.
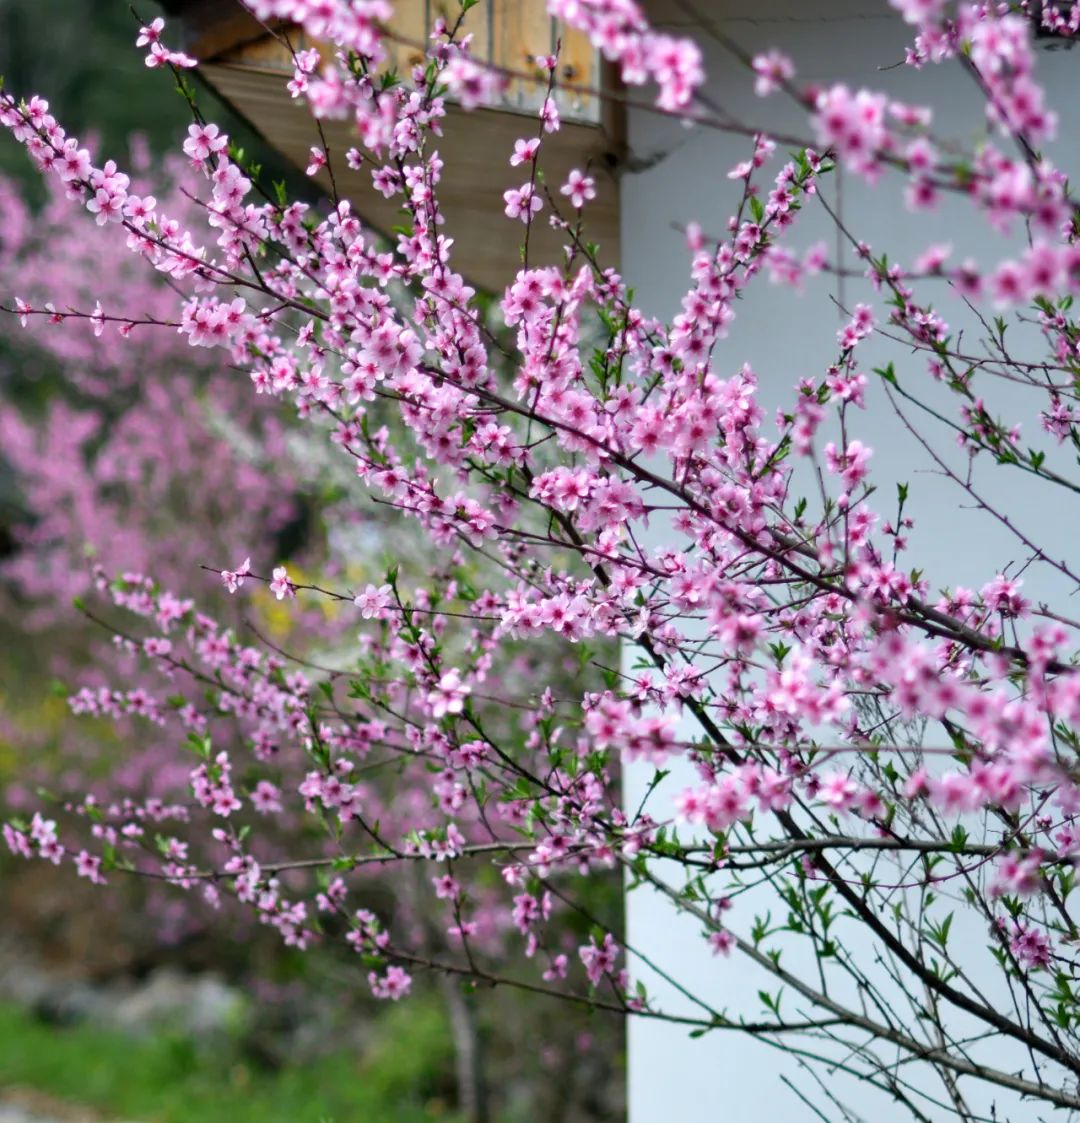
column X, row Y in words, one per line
column 121, row 474
column 114, row 472
column 155, row 453
column 889, row 761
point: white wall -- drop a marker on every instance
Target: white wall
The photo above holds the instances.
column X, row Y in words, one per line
column 724, row 1075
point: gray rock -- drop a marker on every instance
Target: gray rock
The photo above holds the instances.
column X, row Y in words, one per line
column 199, row 1005
column 12, row 1113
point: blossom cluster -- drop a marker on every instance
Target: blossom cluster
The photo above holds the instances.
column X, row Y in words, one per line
column 834, row 704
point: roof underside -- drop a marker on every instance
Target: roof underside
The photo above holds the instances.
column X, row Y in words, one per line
column 248, row 66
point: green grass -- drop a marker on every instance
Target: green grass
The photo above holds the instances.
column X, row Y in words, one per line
column 166, row 1079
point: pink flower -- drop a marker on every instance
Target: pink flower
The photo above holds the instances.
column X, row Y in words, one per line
column 281, row 586
column 151, row 33
column 524, row 151
column 838, row 791
column 204, row 141
column 599, row 960
column 851, row 465
column 522, row 202
column 17, row 842
column 579, row 187
column 1003, row 595
column 316, row 161
column 446, row 888
column 373, row 602
column 1030, row 945
column 266, row 798
column 160, row 55
column 106, row 206
column 919, row 12
column 234, row 579
column 393, row 985
column 449, row 695
column 559, row 966
column 773, row 69
column 73, row 163
column 470, row 83
column 1018, row 876
column 854, row 124
column 89, row 866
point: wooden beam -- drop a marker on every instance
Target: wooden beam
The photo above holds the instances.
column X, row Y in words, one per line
column 213, row 27
column 249, row 68
column 475, row 147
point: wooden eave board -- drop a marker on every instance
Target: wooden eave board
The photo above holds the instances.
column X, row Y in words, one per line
column 475, row 149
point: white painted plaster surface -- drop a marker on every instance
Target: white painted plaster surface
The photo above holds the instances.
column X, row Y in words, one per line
column 726, row 1076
